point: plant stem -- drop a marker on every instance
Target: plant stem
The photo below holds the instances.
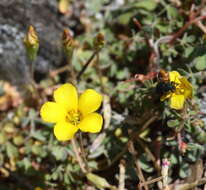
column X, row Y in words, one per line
column 78, row 157
column 125, row 148
column 71, row 70
column 99, row 72
column 55, row 72
column 86, row 65
column 138, row 169
column 83, row 150
column 179, row 32
column 150, row 154
column 152, row 181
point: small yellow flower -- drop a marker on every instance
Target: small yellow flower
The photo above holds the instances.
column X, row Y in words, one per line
column 183, row 91
column 71, row 114
column 38, row 188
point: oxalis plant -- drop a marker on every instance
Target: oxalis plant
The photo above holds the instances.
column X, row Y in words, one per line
column 70, row 113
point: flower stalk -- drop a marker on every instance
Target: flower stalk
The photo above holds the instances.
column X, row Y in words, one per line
column 78, row 157
column 98, row 44
column 69, row 46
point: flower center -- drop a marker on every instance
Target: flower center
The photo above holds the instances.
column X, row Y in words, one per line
column 73, row 117
column 179, row 89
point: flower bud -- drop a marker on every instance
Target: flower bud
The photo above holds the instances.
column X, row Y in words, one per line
column 31, row 43
column 68, row 43
column 164, row 171
column 99, row 41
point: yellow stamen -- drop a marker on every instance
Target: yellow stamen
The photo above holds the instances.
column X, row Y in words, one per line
column 73, row 117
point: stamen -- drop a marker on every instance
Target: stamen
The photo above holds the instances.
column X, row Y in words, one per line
column 73, row 117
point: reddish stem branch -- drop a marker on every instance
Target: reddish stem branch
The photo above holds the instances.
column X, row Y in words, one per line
column 179, row 32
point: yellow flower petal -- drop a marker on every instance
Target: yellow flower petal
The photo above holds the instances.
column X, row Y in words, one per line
column 185, row 84
column 91, row 123
column 64, row 131
column 53, row 112
column 174, row 77
column 67, row 96
column 89, row 101
column 177, row 101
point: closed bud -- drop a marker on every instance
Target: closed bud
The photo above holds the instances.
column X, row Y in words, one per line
column 164, row 171
column 68, row 43
column 99, row 41
column 31, row 43
column 183, row 147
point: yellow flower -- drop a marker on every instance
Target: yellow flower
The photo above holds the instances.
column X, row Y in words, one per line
column 183, row 91
column 71, row 114
column 38, row 188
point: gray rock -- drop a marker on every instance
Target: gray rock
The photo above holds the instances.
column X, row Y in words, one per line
column 15, row 17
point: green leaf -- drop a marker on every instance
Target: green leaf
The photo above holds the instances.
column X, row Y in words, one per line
column 125, row 18
column 25, row 163
column 55, row 175
column 188, row 51
column 36, row 149
column 146, row 167
column 184, row 170
column 11, row 150
column 38, row 135
column 98, row 181
column 146, row 4
column 3, row 138
column 162, row 28
column 172, row 12
column 60, row 153
column 122, row 74
column 172, row 123
column 200, row 63
column 18, row 140
column 173, row 159
column 145, row 164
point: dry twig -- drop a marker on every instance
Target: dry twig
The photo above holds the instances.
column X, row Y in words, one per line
column 122, row 175
column 138, row 168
